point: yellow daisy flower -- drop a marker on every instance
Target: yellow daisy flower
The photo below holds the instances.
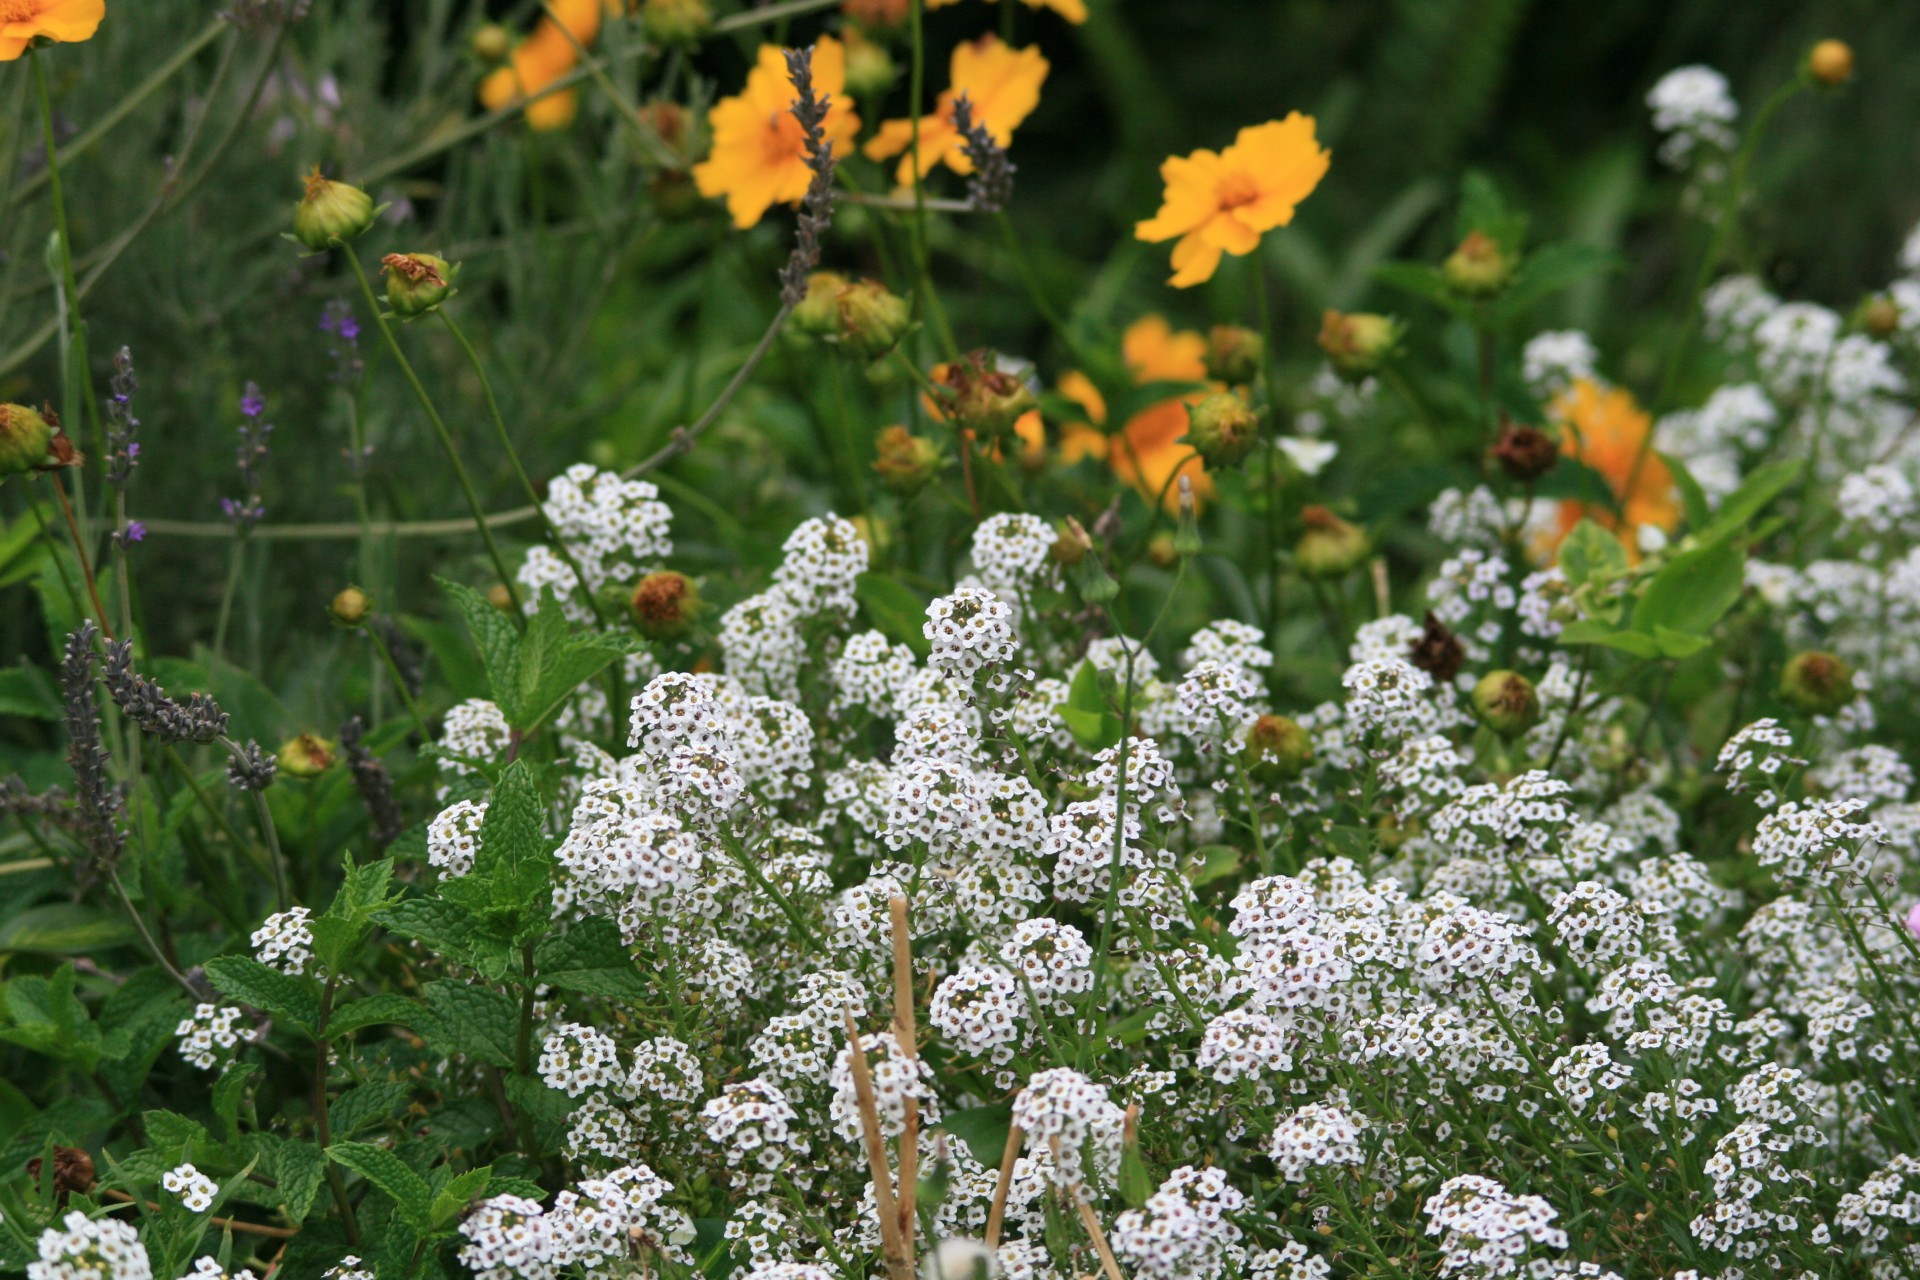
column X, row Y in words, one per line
column 759, row 155
column 1001, row 83
column 67, row 21
column 1222, row 201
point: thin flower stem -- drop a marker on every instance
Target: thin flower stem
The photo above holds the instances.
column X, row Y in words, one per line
column 86, row 563
column 440, row 428
column 922, row 256
column 769, row 13
column 53, row 180
column 997, row 1210
column 684, row 438
column 154, row 949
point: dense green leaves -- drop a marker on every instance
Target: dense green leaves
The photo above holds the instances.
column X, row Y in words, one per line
column 530, row 673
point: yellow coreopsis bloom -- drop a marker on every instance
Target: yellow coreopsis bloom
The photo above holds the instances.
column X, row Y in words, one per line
column 1001, row 83
column 544, row 57
column 67, row 21
column 1074, row 11
column 759, row 155
column 1222, row 201
column 1147, row 453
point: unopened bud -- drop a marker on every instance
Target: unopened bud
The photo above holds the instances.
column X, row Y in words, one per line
column 491, row 43
column 25, row 439
column 1525, row 452
column 872, row 319
column 664, row 605
column 331, row 211
column 1234, row 354
column 500, row 598
column 673, row 22
column 906, row 462
column 1222, row 429
column 819, row 312
column 1186, row 533
column 350, row 606
column 1357, row 342
column 417, row 282
column 1817, row 683
column 1278, row 750
column 1831, row 62
column 1507, row 702
column 870, row 68
column 1330, row 546
column 306, row 755
column 1479, row 268
column 981, row 397
column 1877, row 316
column 1071, row 547
column 1161, row 551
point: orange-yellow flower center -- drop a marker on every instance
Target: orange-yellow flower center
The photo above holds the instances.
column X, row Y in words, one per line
column 783, row 140
column 1236, row 189
column 18, row 10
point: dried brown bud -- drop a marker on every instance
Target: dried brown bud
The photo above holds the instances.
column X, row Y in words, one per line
column 1438, row 651
column 1524, row 452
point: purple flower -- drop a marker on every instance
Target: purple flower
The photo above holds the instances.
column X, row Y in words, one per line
column 122, row 449
column 252, row 403
column 246, row 512
column 338, row 320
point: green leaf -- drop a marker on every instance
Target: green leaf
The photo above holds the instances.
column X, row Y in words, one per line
column 386, row 1007
column 1086, row 712
column 499, row 641
column 1590, row 554
column 1679, row 644
column 64, row 928
column 1755, row 492
column 1423, row 282
column 299, row 1168
column 1637, row 643
column 1136, row 1181
column 365, row 1104
column 1693, row 591
column 1693, row 499
column 228, row 1092
column 1484, row 209
column 450, row 931
column 1217, row 862
column 1554, row 267
column 894, row 609
column 984, row 1130
column 461, row 1190
column 511, row 884
column 247, row 980
column 553, row 662
column 29, row 692
column 591, row 957
column 393, row 1176
column 463, row 1018
column 339, row 933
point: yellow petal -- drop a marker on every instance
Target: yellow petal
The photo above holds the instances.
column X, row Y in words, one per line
column 1194, row 262
column 1189, row 200
column 1002, row 83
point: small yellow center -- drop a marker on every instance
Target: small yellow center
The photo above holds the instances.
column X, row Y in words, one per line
column 1237, row 189
column 783, row 140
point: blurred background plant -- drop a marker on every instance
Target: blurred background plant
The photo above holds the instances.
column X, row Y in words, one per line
column 611, row 301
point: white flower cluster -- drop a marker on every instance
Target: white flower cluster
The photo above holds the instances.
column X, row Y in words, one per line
column 208, row 1039
column 195, row 1189
column 83, row 1248
column 970, row 630
column 1694, row 107
column 284, row 941
column 613, row 528
column 1485, row 1229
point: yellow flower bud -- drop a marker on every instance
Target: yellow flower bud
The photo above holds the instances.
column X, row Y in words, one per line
column 331, row 211
column 1357, row 343
column 350, row 606
column 306, row 755
column 1831, row 62
column 1479, row 268
column 417, row 282
column 25, row 438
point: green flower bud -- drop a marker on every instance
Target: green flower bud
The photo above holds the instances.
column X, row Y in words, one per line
column 25, row 439
column 870, row 68
column 491, row 43
column 331, row 211
column 665, row 605
column 873, row 319
column 500, row 598
column 1357, row 343
column 1278, row 750
column 906, row 462
column 1234, row 354
column 1222, row 429
column 1479, row 268
column 819, row 312
column 305, row 756
column 1507, row 702
column 351, row 606
column 1877, row 316
column 417, row 283
column 1817, row 683
column 1330, row 546
column 676, row 21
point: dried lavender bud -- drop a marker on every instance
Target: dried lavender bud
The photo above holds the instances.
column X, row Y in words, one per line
column 198, row 719
column 250, row 768
column 52, row 805
column 816, row 210
column 96, row 803
column 990, row 185
column 123, row 451
column 371, row 780
column 407, row 658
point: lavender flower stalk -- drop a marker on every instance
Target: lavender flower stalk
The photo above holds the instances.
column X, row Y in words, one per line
column 198, row 719
column 247, row 511
column 990, row 185
column 96, row 802
column 816, row 209
column 375, row 785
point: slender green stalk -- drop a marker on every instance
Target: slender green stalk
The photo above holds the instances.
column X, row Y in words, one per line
column 440, row 429
column 922, row 257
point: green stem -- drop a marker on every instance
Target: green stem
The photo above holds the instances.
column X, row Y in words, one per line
column 440, row 429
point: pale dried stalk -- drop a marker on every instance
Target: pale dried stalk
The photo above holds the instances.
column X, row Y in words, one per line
column 1090, row 1220
column 997, row 1212
column 892, row 1248
column 906, row 1033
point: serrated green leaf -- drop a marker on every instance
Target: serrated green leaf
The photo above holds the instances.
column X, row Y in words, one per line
column 411, row 1196
column 386, row 1007
column 461, row 1190
column 1591, row 554
column 591, row 957
column 299, row 1168
column 228, row 1092
column 245, row 979
column 467, row 1019
column 553, row 662
column 512, row 877
column 365, row 1104
column 1554, row 267
column 499, row 643
column 451, row 931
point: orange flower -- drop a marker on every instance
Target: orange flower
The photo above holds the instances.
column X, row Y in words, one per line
column 1002, row 84
column 1074, row 11
column 1147, row 454
column 1221, row 202
column 759, row 154
column 65, row 20
column 1606, row 430
column 544, row 57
